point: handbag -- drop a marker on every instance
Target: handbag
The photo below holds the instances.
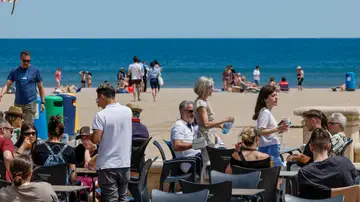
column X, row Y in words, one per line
column 199, row 142
column 160, row 81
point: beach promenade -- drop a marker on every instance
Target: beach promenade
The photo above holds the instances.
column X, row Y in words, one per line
column 160, row 116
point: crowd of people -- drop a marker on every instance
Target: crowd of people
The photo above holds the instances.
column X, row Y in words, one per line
column 236, row 82
column 320, row 165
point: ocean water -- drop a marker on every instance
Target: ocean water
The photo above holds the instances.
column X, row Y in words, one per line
column 325, row 61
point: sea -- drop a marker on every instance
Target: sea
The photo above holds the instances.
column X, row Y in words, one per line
column 324, row 61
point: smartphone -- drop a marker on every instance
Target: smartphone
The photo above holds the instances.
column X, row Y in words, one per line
column 281, row 122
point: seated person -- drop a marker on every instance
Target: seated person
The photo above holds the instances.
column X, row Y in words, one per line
column 246, row 155
column 139, row 130
column 6, row 147
column 313, row 119
column 284, row 85
column 14, row 116
column 325, row 172
column 273, row 83
column 336, row 125
column 121, row 87
column 27, row 141
column 86, row 150
column 23, row 189
column 54, row 145
column 182, row 133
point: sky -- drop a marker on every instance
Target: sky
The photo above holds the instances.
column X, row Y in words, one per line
column 181, row 19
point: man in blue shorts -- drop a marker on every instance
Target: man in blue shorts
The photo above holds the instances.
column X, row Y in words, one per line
column 26, row 78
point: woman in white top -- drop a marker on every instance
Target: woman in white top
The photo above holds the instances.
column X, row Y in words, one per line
column 204, row 115
column 22, row 189
column 266, row 123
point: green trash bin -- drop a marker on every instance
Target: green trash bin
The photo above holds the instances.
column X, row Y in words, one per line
column 54, row 106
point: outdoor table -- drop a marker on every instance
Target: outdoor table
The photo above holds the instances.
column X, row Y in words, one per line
column 90, row 173
column 67, row 189
column 247, row 193
column 286, row 175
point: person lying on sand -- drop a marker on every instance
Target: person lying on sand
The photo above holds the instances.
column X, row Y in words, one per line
column 339, row 88
column 248, row 86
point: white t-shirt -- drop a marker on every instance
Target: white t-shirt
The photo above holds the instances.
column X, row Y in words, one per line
column 116, row 141
column 180, row 131
column 267, row 121
column 256, row 75
column 136, row 71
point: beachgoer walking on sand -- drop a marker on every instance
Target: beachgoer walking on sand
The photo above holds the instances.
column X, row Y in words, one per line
column 26, row 78
column 157, row 64
column 153, row 74
column 89, row 79
column 256, row 75
column 136, row 75
column 145, row 78
column 267, row 125
column 83, row 78
column 58, row 77
column 227, row 77
column 300, row 77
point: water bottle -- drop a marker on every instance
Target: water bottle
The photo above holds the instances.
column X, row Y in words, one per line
column 227, row 126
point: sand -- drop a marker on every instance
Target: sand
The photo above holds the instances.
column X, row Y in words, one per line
column 159, row 116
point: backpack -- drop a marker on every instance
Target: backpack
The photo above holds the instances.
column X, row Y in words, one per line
column 56, row 159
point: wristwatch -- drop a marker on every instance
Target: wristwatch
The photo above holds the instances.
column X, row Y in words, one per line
column 42, row 103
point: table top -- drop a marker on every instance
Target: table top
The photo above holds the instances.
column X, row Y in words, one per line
column 65, row 188
column 357, row 166
column 246, row 192
column 85, row 171
column 285, row 174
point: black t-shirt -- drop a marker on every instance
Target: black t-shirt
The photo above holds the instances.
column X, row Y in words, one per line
column 79, row 154
column 308, row 153
column 333, row 172
column 42, row 153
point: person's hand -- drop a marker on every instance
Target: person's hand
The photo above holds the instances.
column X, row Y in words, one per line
column 229, row 119
column 27, row 142
column 42, row 107
column 237, row 147
column 283, row 127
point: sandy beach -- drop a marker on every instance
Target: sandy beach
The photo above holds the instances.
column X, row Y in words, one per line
column 159, row 116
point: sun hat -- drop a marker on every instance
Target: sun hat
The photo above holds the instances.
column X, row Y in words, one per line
column 299, row 67
column 15, row 111
column 84, row 131
column 134, row 107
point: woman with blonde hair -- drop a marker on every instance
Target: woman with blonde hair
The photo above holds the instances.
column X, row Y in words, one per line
column 23, row 189
column 246, row 154
column 204, row 115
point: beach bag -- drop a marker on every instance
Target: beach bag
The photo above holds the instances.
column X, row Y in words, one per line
column 56, row 159
column 160, row 80
column 199, row 142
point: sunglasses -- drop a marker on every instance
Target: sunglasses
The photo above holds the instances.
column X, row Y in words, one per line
column 29, row 133
column 332, row 123
column 26, row 61
column 11, row 130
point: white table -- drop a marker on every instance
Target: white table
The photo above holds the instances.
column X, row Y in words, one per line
column 246, row 192
column 67, row 189
column 285, row 175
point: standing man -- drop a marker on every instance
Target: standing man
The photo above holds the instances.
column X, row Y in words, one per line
column 135, row 71
column 256, row 75
column 112, row 131
column 26, row 78
column 146, row 68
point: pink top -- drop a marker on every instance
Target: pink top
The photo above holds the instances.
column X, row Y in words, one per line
column 58, row 75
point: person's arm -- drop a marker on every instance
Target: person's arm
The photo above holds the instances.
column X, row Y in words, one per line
column 96, row 136
column 302, row 158
column 177, row 135
column 6, row 88
column 23, row 146
column 180, row 145
column 203, row 119
column 73, row 175
column 262, row 122
column 8, row 157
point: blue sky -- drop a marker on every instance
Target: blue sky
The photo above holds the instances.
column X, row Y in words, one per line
column 181, row 19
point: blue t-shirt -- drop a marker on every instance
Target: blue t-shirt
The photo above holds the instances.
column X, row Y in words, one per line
column 26, row 81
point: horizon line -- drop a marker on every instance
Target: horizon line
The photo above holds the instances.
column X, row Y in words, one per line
column 182, row 38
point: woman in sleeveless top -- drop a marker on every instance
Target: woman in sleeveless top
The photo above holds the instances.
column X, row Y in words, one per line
column 204, row 115
column 246, row 154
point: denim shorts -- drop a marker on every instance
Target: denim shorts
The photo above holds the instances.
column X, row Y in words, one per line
column 257, row 82
column 154, row 83
column 274, row 151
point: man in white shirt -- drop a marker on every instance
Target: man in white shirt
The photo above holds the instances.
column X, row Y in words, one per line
column 135, row 71
column 256, row 75
column 113, row 132
column 182, row 133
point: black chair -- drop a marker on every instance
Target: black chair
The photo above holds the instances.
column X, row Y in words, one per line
column 162, row 153
column 55, row 175
column 171, row 172
column 289, row 198
column 217, row 192
column 169, row 144
column 219, row 158
column 241, row 181
column 160, row 196
column 269, row 178
column 2, row 170
column 348, row 142
column 139, row 189
column 138, row 153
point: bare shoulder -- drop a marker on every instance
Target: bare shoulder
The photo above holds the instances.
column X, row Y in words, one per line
column 262, row 156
